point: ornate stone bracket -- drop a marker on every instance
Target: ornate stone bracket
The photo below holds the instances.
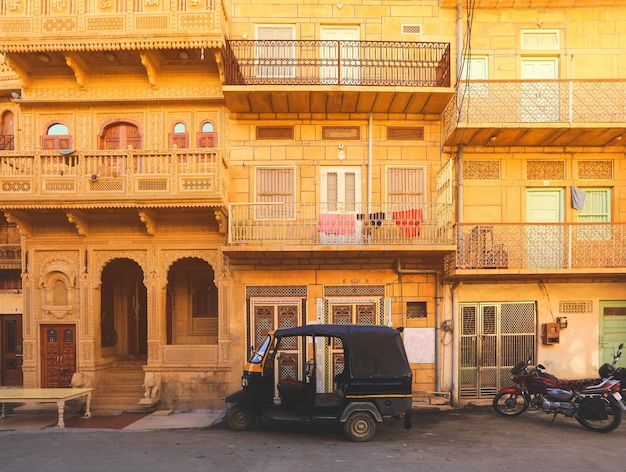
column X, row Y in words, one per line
column 151, row 68
column 79, row 220
column 222, row 220
column 149, row 219
column 78, row 67
column 22, row 224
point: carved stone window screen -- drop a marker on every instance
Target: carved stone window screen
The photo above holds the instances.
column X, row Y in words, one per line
column 595, row 170
column 481, row 170
column 545, row 170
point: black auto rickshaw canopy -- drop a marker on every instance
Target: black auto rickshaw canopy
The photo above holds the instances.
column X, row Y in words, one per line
column 371, row 351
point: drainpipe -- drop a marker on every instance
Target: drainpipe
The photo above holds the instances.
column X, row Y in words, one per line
column 370, row 153
column 454, row 393
column 401, row 271
column 459, row 66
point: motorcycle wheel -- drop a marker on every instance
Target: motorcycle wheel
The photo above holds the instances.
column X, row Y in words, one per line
column 612, row 420
column 510, row 404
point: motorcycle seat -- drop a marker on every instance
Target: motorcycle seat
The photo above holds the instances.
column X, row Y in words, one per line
column 577, row 384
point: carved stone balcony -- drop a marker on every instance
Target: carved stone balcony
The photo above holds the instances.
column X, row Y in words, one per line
column 537, row 113
column 317, row 76
column 131, row 178
column 538, row 248
column 109, row 25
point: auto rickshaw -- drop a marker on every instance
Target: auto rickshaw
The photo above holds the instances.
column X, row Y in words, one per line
column 357, row 375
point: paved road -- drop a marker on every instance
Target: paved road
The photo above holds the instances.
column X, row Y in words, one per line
column 461, row 440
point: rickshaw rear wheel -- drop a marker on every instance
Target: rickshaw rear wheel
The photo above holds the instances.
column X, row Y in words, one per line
column 240, row 418
column 360, row 426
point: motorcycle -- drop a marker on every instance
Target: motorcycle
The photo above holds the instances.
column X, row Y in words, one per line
column 609, row 371
column 595, row 403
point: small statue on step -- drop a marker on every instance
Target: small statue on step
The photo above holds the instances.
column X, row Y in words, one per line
column 152, row 385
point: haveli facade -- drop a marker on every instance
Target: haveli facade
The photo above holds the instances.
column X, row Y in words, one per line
column 178, row 178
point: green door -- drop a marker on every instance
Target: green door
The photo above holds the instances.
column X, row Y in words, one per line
column 612, row 329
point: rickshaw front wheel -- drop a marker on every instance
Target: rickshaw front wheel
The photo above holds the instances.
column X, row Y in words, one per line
column 240, row 418
column 360, row 426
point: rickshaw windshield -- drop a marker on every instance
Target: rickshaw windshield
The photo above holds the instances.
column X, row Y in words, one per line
column 257, row 357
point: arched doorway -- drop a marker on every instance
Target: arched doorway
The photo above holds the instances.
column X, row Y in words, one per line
column 124, row 311
column 7, row 138
column 120, row 135
column 192, row 303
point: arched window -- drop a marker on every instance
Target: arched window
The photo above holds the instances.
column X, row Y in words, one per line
column 57, row 137
column 179, row 137
column 121, row 135
column 207, row 137
column 7, row 141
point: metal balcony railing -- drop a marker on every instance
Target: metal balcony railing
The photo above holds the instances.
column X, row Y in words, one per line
column 540, row 246
column 537, row 101
column 99, row 175
column 329, row 62
column 331, row 224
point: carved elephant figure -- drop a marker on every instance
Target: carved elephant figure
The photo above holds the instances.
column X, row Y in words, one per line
column 152, row 385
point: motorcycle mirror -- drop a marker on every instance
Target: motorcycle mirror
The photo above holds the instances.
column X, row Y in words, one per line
column 621, row 346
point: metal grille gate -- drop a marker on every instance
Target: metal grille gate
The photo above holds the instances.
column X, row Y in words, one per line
column 494, row 337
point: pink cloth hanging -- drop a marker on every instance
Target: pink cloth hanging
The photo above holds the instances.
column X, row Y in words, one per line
column 409, row 222
column 331, row 223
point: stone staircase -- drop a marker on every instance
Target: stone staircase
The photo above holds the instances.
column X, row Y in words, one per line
column 119, row 390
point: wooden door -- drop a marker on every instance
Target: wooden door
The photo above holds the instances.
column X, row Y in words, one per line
column 58, row 355
column 121, row 136
column 11, row 355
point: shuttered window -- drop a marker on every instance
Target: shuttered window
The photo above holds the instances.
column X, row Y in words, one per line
column 405, row 187
column 275, row 186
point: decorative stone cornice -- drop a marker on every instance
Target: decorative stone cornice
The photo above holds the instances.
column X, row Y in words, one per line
column 111, row 45
column 151, row 66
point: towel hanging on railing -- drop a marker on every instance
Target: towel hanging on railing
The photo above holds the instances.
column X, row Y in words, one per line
column 578, row 198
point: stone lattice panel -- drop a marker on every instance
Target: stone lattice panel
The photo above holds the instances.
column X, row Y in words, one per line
column 545, row 170
column 481, row 170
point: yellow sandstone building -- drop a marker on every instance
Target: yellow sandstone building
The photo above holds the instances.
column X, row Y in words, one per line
column 179, row 177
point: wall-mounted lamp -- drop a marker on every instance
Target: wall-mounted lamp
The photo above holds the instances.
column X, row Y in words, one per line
column 341, row 155
column 562, row 321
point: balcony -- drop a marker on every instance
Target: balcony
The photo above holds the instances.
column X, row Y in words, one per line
column 106, row 26
column 537, row 113
column 274, row 226
column 131, row 178
column 539, row 248
column 274, row 76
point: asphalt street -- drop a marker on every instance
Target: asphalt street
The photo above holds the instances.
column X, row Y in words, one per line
column 456, row 440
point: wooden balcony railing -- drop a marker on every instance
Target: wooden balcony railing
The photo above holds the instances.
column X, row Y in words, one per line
column 7, row 141
column 382, row 63
column 328, row 224
column 540, row 246
column 113, row 175
column 537, row 101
